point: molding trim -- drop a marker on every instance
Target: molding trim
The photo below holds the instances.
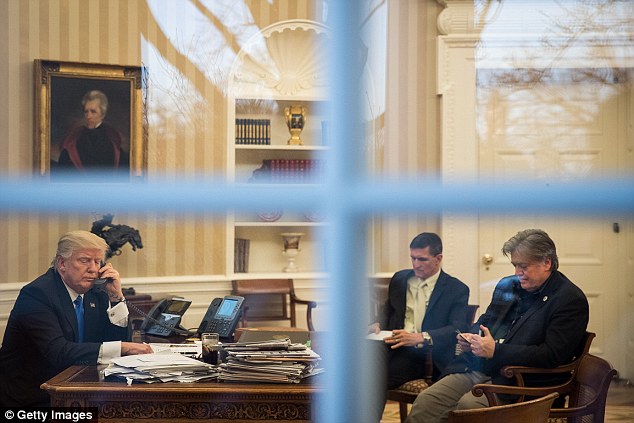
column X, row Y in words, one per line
column 285, row 64
column 458, row 17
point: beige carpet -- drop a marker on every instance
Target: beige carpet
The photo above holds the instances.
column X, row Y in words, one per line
column 390, row 414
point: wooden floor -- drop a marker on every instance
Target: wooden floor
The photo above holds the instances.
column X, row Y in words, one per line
column 620, row 406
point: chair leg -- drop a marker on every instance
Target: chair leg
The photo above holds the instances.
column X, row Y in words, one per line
column 402, row 411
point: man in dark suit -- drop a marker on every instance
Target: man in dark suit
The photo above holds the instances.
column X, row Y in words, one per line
column 423, row 309
column 536, row 318
column 44, row 332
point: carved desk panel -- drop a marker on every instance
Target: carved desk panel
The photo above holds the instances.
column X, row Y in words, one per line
column 81, row 386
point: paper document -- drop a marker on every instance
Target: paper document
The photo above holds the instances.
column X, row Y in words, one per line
column 379, row 336
column 191, row 350
column 163, row 366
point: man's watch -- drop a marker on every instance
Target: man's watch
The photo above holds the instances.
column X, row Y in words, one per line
column 427, row 339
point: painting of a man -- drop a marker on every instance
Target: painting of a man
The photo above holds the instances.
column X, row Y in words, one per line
column 96, row 144
column 91, row 144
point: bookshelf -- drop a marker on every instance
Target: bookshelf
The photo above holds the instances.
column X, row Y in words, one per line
column 280, row 69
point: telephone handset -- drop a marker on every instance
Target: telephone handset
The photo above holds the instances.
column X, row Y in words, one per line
column 99, row 284
column 165, row 317
column 222, row 316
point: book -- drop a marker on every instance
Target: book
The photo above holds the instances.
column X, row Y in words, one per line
column 241, row 255
column 253, row 131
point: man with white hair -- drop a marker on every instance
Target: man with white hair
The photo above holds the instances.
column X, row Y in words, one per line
column 59, row 320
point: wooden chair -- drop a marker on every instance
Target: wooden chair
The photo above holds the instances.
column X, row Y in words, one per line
column 520, row 372
column 407, row 392
column 533, row 411
column 271, row 299
column 587, row 390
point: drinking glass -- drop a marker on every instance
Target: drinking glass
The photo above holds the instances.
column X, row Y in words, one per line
column 210, row 347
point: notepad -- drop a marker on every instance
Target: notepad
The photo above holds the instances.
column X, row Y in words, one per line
column 379, row 336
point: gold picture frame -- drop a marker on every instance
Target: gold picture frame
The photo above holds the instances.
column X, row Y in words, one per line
column 60, row 90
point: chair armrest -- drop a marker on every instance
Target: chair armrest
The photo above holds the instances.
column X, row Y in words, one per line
column 310, row 305
column 517, row 372
column 489, row 390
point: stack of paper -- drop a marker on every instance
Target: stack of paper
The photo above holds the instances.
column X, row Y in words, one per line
column 274, row 361
column 160, row 367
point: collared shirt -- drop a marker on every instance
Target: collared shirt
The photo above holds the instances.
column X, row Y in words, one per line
column 118, row 315
column 418, row 294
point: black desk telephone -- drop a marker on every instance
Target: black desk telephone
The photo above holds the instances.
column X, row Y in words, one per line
column 222, row 316
column 165, row 317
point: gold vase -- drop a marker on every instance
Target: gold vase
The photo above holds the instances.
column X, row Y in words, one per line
column 295, row 120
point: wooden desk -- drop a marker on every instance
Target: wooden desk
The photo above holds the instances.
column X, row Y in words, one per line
column 81, row 386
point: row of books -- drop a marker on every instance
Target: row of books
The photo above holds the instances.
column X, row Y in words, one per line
column 289, row 171
column 241, row 256
column 253, row 131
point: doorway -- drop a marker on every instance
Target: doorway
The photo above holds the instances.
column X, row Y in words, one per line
column 563, row 128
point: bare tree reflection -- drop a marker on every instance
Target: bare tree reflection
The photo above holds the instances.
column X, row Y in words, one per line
column 573, row 30
column 544, row 93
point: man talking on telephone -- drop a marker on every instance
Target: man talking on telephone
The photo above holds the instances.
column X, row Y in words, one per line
column 59, row 320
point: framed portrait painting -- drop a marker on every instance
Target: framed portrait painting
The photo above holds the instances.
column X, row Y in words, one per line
column 90, row 119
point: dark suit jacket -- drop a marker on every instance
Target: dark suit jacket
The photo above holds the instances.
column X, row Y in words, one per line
column 445, row 312
column 546, row 335
column 41, row 338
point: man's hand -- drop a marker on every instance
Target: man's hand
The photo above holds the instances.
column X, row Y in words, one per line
column 402, row 338
column 133, row 348
column 113, row 289
column 481, row 346
column 374, row 328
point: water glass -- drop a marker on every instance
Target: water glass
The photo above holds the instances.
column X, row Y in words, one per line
column 210, row 347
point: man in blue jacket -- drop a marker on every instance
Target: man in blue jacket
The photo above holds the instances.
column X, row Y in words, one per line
column 423, row 309
column 536, row 318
